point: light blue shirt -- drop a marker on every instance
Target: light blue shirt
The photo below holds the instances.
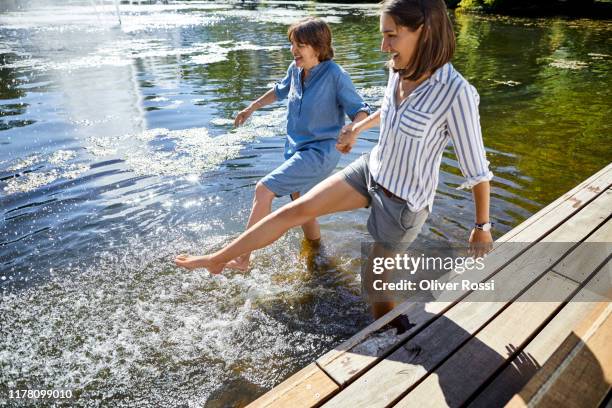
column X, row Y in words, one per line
column 406, row 160
column 315, row 112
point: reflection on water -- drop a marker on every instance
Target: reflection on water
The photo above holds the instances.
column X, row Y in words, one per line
column 117, row 152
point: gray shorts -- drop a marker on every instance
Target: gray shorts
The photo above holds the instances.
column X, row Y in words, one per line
column 391, row 223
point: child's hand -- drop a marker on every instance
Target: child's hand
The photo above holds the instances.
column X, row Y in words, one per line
column 347, row 138
column 242, row 116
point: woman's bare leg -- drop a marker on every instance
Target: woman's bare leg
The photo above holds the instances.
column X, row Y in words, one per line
column 311, row 228
column 379, row 305
column 262, row 206
column 331, row 195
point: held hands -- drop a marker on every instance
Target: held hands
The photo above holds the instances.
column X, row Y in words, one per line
column 481, row 242
column 347, row 138
column 243, row 115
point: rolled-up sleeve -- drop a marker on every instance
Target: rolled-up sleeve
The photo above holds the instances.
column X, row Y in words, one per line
column 281, row 88
column 348, row 98
column 465, row 132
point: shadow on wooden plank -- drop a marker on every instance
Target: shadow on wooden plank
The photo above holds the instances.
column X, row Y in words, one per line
column 503, row 385
column 579, row 374
column 506, row 384
column 463, row 373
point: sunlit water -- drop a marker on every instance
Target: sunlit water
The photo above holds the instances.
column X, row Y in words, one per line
column 117, row 152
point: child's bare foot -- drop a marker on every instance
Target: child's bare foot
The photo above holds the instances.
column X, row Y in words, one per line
column 193, row 262
column 240, row 263
column 309, row 252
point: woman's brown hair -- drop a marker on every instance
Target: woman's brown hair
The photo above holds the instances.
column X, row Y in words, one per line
column 436, row 44
column 314, row 32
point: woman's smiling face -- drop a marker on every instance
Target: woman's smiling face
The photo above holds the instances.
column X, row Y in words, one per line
column 305, row 55
column 398, row 40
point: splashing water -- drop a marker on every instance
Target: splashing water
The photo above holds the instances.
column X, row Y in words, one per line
column 117, row 152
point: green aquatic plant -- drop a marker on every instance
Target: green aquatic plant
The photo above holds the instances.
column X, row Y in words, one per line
column 525, row 6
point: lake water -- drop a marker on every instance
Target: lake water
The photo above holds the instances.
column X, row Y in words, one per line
column 117, row 152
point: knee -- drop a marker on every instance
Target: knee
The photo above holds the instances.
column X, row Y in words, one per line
column 262, row 193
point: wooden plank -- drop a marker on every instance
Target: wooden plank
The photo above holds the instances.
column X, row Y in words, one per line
column 584, row 257
column 350, row 359
column 526, row 364
column 579, row 373
column 485, row 353
column 308, row 387
column 419, row 355
column 419, row 314
column 512, row 379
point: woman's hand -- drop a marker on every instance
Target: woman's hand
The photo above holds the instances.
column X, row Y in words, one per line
column 349, row 133
column 243, row 115
column 347, row 138
column 481, row 242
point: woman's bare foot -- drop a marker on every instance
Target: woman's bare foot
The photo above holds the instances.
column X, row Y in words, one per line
column 192, row 262
column 240, row 263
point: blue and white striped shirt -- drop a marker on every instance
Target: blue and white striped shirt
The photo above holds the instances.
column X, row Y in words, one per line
column 406, row 159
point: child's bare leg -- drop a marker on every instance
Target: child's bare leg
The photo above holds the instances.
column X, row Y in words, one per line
column 262, row 206
column 331, row 195
column 311, row 228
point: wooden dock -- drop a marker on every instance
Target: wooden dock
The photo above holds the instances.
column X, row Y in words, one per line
column 515, row 352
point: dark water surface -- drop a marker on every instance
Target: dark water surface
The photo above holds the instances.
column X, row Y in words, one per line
column 117, row 152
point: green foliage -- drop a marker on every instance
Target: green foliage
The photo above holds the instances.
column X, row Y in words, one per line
column 524, row 5
column 470, row 4
column 495, row 5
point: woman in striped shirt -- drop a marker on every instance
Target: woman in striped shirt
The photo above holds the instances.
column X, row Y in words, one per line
column 426, row 104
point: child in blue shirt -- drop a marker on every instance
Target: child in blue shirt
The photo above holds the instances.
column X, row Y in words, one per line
column 320, row 93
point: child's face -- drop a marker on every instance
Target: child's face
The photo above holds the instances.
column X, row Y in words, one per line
column 305, row 56
column 399, row 41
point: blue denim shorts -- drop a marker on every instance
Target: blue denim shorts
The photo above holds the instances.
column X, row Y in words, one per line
column 301, row 171
column 391, row 223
